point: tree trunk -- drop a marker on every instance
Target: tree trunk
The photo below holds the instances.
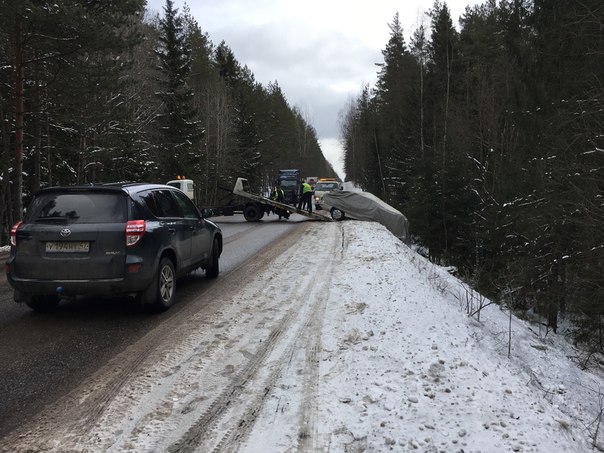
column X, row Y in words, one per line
column 377, row 153
column 5, row 212
column 35, row 181
column 444, row 162
column 19, row 118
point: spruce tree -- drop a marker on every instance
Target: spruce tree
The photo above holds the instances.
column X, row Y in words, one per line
column 443, row 79
column 397, row 125
column 178, row 147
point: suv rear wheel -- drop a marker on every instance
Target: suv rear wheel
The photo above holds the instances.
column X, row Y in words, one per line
column 161, row 292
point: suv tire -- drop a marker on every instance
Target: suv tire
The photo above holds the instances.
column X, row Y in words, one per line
column 213, row 268
column 161, row 292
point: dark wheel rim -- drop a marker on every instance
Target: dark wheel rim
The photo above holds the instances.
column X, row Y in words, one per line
column 336, row 214
column 166, row 284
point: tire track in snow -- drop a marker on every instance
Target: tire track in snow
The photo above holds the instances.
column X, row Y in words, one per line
column 200, row 359
column 308, row 436
column 301, row 353
column 231, row 409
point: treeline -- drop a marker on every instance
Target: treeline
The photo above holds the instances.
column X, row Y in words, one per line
column 491, row 140
column 104, row 91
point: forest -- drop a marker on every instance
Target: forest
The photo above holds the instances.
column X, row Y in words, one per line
column 104, row 91
column 489, row 136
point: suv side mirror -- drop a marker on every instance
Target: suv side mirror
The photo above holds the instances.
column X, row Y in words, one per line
column 206, row 213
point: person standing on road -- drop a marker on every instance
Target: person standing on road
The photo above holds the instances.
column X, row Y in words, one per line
column 306, row 198
column 279, row 195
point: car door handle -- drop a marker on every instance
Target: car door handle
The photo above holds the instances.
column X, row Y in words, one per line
column 172, row 231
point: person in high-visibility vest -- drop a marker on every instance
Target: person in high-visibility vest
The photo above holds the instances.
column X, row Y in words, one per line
column 306, row 196
column 279, row 195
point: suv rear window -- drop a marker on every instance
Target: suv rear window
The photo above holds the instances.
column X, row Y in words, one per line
column 80, row 207
column 161, row 203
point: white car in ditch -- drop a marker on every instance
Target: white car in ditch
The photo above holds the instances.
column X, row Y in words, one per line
column 366, row 206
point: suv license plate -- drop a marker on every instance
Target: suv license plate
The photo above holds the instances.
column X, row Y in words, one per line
column 68, row 247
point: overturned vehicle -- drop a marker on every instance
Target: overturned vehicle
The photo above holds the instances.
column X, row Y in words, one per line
column 366, row 206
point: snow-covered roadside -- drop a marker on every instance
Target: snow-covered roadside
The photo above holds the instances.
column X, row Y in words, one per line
column 362, row 345
column 412, row 371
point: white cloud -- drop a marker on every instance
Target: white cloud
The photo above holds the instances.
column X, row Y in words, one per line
column 332, row 150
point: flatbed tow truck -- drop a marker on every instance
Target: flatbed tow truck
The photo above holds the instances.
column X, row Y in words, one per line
column 255, row 206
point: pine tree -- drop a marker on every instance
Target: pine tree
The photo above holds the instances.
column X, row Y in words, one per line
column 247, row 154
column 178, row 122
column 362, row 162
column 443, row 79
column 419, row 166
column 396, row 103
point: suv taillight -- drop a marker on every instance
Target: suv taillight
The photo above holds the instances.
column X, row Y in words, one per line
column 135, row 229
column 13, row 233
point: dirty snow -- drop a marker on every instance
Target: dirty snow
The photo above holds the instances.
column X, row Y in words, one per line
column 369, row 348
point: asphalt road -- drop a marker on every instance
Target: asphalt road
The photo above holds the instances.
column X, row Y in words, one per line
column 45, row 355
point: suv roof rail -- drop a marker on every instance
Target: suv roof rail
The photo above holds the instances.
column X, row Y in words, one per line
column 120, row 183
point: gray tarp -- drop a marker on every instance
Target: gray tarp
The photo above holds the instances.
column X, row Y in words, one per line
column 366, row 206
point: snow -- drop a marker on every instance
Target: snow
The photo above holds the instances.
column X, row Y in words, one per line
column 404, row 367
column 374, row 351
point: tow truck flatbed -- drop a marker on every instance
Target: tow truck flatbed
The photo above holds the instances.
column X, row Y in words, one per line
column 242, row 189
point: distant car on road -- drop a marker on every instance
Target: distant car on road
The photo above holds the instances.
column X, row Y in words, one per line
column 114, row 239
column 366, row 206
column 323, row 186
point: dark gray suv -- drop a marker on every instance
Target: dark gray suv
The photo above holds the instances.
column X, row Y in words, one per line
column 115, row 239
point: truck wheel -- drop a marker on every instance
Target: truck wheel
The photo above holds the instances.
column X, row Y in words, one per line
column 337, row 214
column 162, row 291
column 252, row 213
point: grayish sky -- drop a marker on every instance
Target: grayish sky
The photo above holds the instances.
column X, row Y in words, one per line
column 321, row 52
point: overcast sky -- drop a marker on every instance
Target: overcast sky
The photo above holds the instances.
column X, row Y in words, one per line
column 321, row 52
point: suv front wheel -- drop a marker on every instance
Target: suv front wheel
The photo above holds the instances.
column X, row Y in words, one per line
column 161, row 292
column 213, row 268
